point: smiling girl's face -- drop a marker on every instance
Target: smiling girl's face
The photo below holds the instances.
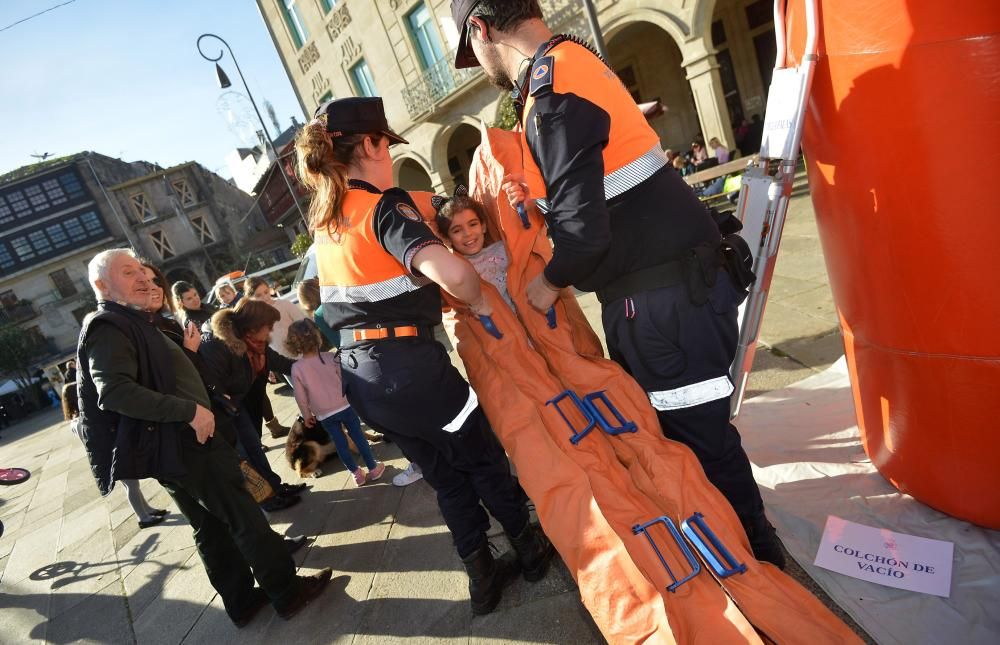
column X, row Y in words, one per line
column 466, row 232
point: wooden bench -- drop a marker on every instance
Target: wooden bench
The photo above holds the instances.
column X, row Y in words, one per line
column 729, row 168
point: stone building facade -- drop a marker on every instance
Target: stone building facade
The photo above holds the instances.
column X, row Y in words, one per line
column 54, row 216
column 708, row 61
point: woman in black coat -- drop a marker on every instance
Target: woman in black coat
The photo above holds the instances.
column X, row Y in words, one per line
column 236, row 360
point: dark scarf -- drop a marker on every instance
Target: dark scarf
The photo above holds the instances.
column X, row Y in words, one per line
column 257, row 353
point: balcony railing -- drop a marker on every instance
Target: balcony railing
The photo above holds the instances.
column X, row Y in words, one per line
column 435, row 84
column 17, row 313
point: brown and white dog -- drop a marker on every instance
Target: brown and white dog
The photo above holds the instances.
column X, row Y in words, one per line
column 307, row 448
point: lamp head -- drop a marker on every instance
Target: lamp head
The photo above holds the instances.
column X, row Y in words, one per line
column 221, row 75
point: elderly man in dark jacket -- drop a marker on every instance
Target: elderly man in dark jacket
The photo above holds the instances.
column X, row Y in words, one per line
column 145, row 412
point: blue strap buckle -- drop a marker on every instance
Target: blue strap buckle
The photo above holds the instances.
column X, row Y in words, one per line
column 716, row 555
column 598, row 417
column 679, row 540
column 491, row 327
column 550, row 317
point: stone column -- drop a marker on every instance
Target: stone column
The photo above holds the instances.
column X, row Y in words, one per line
column 706, row 85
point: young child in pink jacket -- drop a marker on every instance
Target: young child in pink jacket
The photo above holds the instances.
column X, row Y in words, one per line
column 319, row 393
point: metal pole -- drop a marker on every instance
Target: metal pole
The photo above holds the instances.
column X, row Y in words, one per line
column 595, row 29
column 267, row 135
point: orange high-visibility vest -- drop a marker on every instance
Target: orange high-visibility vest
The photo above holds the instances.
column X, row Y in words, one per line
column 353, row 267
column 633, row 152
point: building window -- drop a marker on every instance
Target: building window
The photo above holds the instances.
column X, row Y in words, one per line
column 162, row 244
column 202, row 230
column 293, row 18
column 6, row 259
column 425, row 36
column 18, row 202
column 141, row 207
column 184, row 192
column 64, row 285
column 364, row 84
column 39, row 242
column 54, row 191
column 46, row 195
column 57, row 235
column 80, row 313
column 35, row 337
column 727, row 72
column 71, row 184
column 327, row 5
column 23, row 249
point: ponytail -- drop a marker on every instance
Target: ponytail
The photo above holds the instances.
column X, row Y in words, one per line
column 322, row 167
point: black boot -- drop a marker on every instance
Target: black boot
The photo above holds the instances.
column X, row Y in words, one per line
column 534, row 552
column 488, row 577
column 764, row 541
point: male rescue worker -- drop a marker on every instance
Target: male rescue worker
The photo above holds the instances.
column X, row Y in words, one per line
column 626, row 226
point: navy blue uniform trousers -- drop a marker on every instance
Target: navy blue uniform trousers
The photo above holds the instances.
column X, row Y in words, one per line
column 683, row 350
column 408, row 389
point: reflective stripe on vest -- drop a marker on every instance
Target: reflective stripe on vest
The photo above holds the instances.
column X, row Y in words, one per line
column 628, row 176
column 633, row 152
column 691, row 395
column 356, row 268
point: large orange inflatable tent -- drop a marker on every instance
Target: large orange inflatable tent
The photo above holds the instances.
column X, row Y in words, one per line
column 591, row 494
column 902, row 146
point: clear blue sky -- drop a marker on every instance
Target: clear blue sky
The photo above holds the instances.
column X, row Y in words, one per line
column 124, row 78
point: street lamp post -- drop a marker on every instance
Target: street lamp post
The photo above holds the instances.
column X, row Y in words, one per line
column 224, row 83
column 595, row 29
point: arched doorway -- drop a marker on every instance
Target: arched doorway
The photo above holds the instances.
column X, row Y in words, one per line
column 648, row 62
column 461, row 147
column 412, row 176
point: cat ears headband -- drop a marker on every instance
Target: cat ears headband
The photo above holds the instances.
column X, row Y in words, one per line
column 438, row 202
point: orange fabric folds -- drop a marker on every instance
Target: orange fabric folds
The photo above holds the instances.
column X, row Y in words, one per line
column 589, row 495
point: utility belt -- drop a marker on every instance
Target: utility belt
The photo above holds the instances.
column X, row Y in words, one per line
column 697, row 270
column 385, row 331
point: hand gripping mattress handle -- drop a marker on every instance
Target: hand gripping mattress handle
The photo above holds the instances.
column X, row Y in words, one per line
column 523, row 214
column 491, row 327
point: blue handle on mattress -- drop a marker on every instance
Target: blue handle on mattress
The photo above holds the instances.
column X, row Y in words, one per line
column 577, row 434
column 522, row 212
column 550, row 316
column 679, row 540
column 590, row 402
column 712, row 551
column 491, row 327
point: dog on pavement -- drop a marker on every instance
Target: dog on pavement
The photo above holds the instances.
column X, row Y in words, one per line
column 307, row 448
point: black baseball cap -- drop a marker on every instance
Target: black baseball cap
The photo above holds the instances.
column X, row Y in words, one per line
column 357, row 115
column 460, row 11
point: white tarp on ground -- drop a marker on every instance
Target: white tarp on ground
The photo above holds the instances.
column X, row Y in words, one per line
column 807, row 456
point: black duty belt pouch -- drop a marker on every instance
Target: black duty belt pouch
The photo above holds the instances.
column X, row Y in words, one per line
column 737, row 259
column 701, row 269
column 727, row 222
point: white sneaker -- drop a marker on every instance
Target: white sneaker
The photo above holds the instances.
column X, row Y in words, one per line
column 408, row 476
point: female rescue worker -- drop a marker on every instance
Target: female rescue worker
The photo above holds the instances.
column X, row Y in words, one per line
column 380, row 270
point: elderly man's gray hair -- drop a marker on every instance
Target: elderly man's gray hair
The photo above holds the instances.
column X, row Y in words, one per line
column 99, row 266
